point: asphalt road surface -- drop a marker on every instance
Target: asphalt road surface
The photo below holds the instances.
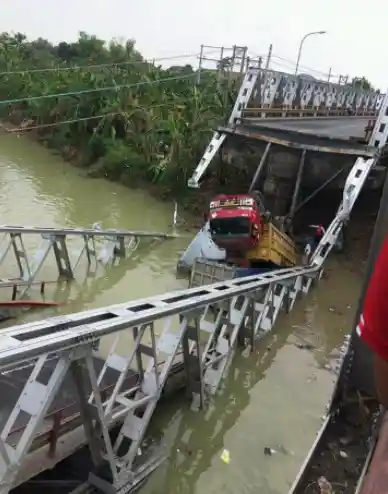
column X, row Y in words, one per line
column 342, row 128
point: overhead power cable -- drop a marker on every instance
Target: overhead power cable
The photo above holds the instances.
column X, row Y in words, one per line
column 103, row 65
column 96, row 90
column 292, row 64
column 17, row 130
column 304, row 67
column 96, row 66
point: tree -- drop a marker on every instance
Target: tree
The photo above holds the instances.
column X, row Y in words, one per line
column 362, row 83
column 225, row 64
column 111, row 109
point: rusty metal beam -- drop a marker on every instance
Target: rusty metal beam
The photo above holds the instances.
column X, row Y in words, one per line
column 298, row 140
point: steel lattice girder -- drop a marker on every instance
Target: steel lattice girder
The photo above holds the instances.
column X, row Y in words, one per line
column 30, row 263
column 282, row 90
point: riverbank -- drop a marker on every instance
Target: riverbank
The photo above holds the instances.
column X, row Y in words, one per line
column 109, row 111
column 192, row 203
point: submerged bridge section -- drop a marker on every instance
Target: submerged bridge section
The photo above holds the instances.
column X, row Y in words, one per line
column 30, row 255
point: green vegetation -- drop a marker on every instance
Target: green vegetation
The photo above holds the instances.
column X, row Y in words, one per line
column 137, row 130
column 362, row 83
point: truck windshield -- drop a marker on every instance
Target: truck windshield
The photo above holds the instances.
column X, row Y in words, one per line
column 230, row 226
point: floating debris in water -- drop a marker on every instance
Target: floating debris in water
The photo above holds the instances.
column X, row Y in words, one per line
column 305, row 346
column 345, row 441
column 283, row 450
column 269, row 451
column 324, row 486
column 225, row 456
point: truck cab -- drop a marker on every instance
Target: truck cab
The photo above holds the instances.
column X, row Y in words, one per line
column 235, row 222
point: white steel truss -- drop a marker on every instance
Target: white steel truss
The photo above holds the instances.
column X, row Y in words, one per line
column 221, row 315
column 95, row 246
column 288, row 91
column 243, row 97
column 271, row 93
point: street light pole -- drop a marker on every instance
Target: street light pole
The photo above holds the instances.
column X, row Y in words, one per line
column 301, row 46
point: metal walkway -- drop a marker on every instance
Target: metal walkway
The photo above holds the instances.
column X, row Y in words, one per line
column 25, row 252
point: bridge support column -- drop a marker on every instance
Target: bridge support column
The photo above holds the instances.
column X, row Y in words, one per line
column 80, row 378
column 297, row 184
column 279, row 184
column 259, row 168
column 62, row 257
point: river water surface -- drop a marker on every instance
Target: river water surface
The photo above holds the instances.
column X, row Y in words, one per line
column 274, row 398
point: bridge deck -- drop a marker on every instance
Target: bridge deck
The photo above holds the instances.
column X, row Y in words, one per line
column 289, row 135
column 334, row 127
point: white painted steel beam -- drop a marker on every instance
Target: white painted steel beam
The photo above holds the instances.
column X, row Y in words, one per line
column 91, row 232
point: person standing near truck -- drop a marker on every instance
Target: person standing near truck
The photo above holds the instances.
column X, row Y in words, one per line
column 312, row 242
column 319, row 232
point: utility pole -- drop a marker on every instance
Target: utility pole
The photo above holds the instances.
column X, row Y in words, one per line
column 329, row 75
column 232, row 63
column 243, row 58
column 269, row 56
column 219, row 65
column 200, row 65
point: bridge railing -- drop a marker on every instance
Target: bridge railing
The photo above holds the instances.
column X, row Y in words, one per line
column 284, row 112
column 274, row 89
